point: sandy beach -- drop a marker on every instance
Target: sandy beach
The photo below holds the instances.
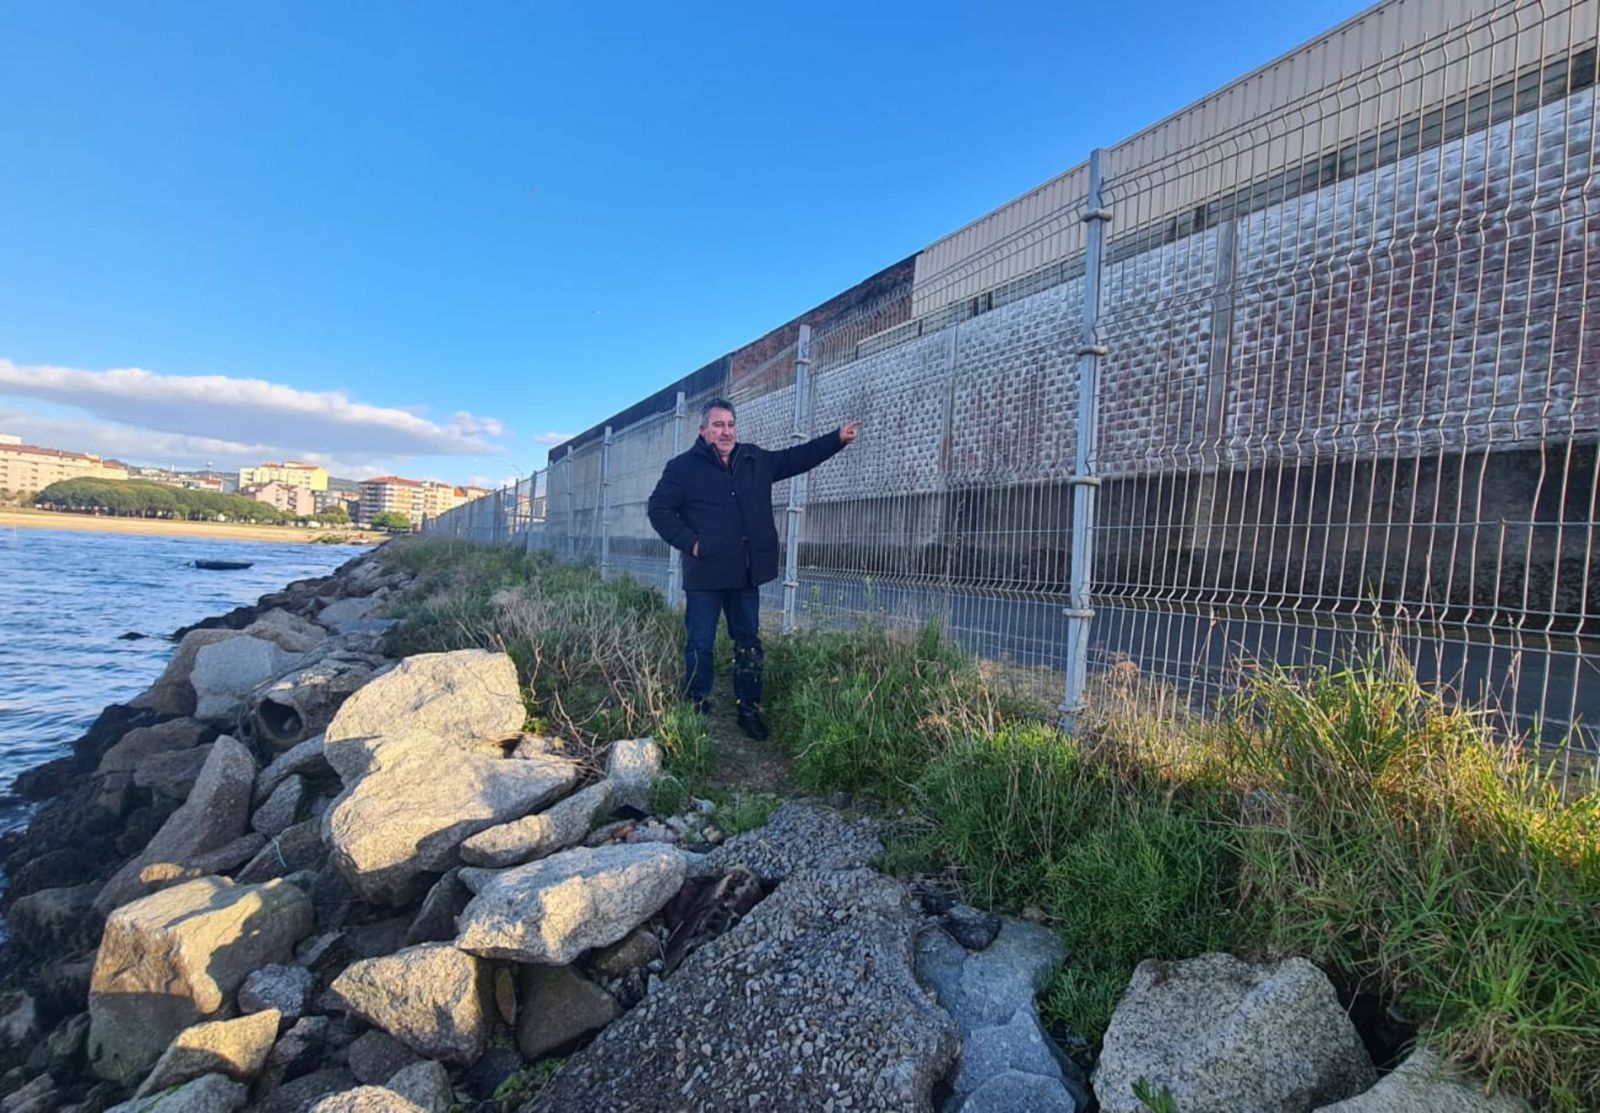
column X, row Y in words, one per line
column 12, row 518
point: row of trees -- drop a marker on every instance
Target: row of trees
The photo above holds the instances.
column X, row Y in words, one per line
column 138, row 498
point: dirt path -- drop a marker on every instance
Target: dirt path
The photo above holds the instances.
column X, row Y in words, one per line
column 742, row 764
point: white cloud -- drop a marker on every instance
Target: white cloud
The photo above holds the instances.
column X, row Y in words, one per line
column 552, row 438
column 147, row 448
column 250, row 414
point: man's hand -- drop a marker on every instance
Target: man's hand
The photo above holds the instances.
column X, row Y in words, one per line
column 848, row 431
column 695, row 552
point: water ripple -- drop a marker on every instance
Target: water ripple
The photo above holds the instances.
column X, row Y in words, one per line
column 65, row 599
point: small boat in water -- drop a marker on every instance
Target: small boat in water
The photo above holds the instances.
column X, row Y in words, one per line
column 223, row 565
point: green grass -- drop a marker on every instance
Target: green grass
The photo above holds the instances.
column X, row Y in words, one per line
column 1348, row 817
column 869, row 710
column 1404, row 846
column 599, row 660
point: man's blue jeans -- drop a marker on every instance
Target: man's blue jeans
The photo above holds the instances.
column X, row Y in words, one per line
column 701, row 611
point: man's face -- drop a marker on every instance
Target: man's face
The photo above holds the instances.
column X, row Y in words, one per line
column 718, row 431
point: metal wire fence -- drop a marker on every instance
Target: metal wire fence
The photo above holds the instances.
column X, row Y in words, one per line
column 1305, row 369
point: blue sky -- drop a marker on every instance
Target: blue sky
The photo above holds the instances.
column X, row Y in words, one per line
column 432, row 239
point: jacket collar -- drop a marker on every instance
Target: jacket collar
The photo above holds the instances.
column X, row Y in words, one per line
column 703, row 448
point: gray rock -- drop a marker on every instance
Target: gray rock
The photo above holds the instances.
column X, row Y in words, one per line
column 277, row 814
column 285, row 989
column 224, row 859
column 435, row 921
column 301, row 1093
column 63, row 987
column 371, row 630
column 299, row 1051
column 552, row 910
column 408, row 815
column 366, row 1099
column 300, row 704
column 535, row 836
column 173, row 773
column 532, row 745
column 974, row 930
column 638, row 948
column 56, row 919
column 419, row 751
column 174, row 958
column 1015, row 1091
column 235, row 1048
column 809, row 1000
column 800, row 835
column 426, row 1085
column 298, row 848
column 226, row 672
column 141, row 743
column 320, row 950
column 172, row 694
column 632, row 767
column 985, row 988
column 1424, row 1084
column 338, row 613
column 216, row 813
column 63, row 1047
column 287, row 630
column 431, row 997
column 376, row 1056
column 19, row 1020
column 558, row 1006
column 1224, row 1035
column 38, row 1096
column 212, row 1093
column 1020, row 1045
column 462, row 700
column 305, row 759
column 377, row 937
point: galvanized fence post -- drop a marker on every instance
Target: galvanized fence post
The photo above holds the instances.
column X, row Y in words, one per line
column 797, row 485
column 1085, row 483
column 572, row 510
column 533, row 505
column 605, row 506
column 675, row 558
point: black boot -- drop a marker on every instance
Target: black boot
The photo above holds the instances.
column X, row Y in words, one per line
column 751, row 723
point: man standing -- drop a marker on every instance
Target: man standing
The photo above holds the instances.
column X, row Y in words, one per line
column 714, row 505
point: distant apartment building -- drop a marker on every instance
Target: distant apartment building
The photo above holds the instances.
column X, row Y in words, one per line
column 291, row 473
column 27, row 467
column 296, row 501
column 417, row 499
column 322, row 500
column 393, row 494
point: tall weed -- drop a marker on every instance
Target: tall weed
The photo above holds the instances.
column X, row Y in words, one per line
column 866, row 709
column 1122, row 870
column 599, row 660
column 1401, row 843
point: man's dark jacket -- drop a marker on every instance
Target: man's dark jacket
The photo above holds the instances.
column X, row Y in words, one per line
column 728, row 509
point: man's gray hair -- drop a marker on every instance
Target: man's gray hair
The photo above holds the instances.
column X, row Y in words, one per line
column 716, row 404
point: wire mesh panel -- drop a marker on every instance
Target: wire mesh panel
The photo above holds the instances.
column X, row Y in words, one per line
column 1350, row 392
column 638, row 454
column 953, row 506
